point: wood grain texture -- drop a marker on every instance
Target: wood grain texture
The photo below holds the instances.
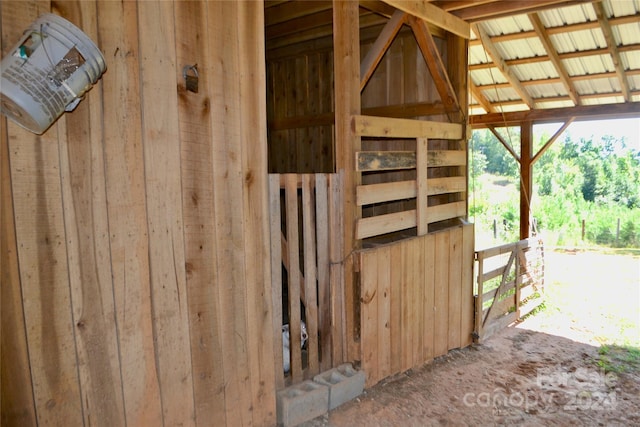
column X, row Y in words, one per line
column 196, row 164
column 127, row 210
column 86, row 225
column 160, row 136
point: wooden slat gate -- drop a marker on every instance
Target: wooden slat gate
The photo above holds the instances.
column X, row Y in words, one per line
column 510, row 284
column 306, row 276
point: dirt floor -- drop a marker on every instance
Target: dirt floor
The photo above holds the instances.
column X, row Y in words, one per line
column 549, row 370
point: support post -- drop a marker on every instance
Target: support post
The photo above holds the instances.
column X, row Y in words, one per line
column 526, row 174
column 346, row 37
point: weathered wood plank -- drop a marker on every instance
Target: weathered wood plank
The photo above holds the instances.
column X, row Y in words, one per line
column 291, row 203
column 441, row 293
column 421, row 186
column 86, row 225
column 16, row 387
column 389, row 191
column 324, row 289
column 227, row 145
column 404, row 128
column 251, row 80
column 447, row 211
column 429, row 251
column 406, row 302
column 385, row 192
column 466, row 300
column 310, row 273
column 198, row 214
column 160, row 131
column 395, row 284
column 17, row 406
column 455, row 289
column 338, row 332
column 276, row 275
column 368, row 161
column 42, row 254
column 388, row 223
column 419, row 287
column 118, row 34
column 369, row 312
column 384, row 311
column 347, row 104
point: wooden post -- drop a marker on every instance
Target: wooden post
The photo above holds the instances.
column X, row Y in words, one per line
column 347, row 103
column 526, row 181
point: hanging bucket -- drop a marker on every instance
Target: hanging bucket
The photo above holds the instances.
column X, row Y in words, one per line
column 48, row 72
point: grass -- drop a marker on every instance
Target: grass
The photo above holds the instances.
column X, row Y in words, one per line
column 618, row 359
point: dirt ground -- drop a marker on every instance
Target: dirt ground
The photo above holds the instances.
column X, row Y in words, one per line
column 548, row 370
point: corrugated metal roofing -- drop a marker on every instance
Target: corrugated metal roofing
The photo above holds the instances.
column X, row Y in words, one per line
column 587, row 36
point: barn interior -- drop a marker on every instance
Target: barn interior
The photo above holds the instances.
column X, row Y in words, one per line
column 156, row 239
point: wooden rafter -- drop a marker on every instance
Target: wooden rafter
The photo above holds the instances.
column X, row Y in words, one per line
column 380, row 46
column 553, row 57
column 476, row 91
column 498, row 9
column 613, row 49
column 551, row 115
column 434, row 63
column 433, row 15
column 502, row 66
column 563, row 29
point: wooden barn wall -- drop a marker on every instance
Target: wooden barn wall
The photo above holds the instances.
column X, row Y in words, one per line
column 416, row 301
column 135, row 256
column 300, row 90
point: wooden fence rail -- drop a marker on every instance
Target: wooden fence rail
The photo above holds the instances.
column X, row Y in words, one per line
column 420, row 188
column 510, row 281
column 305, row 284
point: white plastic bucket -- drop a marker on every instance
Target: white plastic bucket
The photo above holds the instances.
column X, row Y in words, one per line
column 48, row 72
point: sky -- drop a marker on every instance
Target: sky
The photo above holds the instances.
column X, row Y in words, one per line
column 619, row 128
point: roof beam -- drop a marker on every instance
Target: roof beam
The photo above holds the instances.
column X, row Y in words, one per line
column 491, row 50
column 553, row 115
column 561, row 29
column 503, row 8
column 433, row 15
column 434, row 63
column 480, row 98
column 613, row 49
column 540, row 30
column 561, row 56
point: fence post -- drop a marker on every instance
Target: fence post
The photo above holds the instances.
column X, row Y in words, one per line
column 478, row 316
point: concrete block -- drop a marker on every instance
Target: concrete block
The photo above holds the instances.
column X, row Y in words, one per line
column 344, row 382
column 301, row 402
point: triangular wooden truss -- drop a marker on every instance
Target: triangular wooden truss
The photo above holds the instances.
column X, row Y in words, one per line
column 427, row 47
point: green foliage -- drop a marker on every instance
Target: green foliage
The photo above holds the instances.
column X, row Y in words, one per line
column 594, row 181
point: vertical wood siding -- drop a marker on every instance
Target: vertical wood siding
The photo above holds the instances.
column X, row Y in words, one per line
column 135, row 251
column 420, row 311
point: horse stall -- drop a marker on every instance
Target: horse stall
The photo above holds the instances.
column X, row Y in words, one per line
column 390, row 118
column 239, row 167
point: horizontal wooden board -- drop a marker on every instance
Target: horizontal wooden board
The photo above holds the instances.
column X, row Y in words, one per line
column 385, row 192
column 389, row 191
column 448, row 211
column 383, row 224
column 369, row 161
column 404, row 128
